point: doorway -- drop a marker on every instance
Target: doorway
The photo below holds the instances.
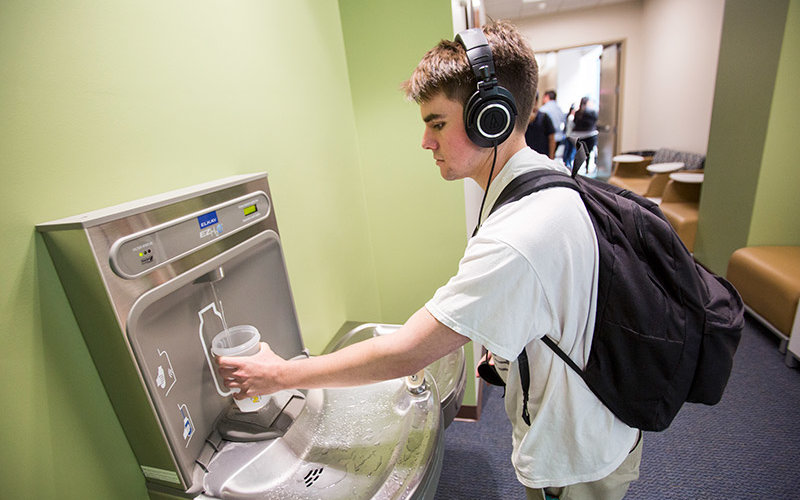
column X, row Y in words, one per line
column 588, row 71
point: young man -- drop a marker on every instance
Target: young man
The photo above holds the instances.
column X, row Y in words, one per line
column 541, row 134
column 551, row 109
column 530, row 271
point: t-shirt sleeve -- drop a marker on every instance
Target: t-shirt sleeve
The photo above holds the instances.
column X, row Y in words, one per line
column 495, row 299
column 548, row 125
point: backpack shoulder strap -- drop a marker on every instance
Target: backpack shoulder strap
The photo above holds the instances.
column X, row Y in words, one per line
column 531, row 182
column 561, row 354
column 520, row 187
column 525, row 375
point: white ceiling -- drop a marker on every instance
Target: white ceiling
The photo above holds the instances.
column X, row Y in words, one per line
column 515, row 9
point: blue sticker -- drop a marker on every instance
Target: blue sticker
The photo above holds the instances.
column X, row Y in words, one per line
column 207, row 219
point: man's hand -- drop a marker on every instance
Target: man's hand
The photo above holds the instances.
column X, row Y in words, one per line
column 420, row 342
column 486, row 357
column 254, row 375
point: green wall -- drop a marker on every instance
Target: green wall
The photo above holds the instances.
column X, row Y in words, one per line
column 416, row 219
column 411, row 209
column 777, row 203
column 749, row 192
column 106, row 102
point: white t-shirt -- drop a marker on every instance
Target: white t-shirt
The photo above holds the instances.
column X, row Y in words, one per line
column 531, row 271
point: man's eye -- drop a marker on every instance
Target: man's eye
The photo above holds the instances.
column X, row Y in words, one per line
column 438, row 126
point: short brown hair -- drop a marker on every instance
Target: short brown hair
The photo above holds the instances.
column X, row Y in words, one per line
column 445, row 68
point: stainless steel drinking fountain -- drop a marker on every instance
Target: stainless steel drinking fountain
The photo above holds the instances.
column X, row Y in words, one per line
column 152, row 281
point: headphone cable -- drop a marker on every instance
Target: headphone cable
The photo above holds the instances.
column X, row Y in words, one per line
column 488, row 182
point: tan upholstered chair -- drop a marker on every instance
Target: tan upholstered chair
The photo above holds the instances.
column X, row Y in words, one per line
column 768, row 279
column 650, row 177
column 630, row 171
column 659, row 176
column 680, row 203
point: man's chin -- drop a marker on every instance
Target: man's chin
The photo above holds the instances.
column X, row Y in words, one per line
column 447, row 174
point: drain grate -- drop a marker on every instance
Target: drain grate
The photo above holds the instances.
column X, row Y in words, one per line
column 312, row 476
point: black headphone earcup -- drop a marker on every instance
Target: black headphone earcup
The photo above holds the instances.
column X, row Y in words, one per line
column 489, row 118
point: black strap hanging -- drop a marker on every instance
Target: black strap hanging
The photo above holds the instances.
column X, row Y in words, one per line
column 525, row 380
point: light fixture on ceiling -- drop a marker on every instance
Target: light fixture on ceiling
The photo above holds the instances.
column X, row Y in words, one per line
column 541, row 4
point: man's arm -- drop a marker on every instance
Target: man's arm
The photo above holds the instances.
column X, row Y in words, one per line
column 421, row 341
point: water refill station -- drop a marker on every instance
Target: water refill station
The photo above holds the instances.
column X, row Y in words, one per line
column 152, row 282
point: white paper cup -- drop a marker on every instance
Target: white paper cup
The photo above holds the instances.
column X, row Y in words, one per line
column 240, row 340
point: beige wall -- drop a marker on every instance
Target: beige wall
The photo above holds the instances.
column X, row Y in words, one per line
column 668, row 68
column 618, row 22
column 678, row 72
column 699, row 76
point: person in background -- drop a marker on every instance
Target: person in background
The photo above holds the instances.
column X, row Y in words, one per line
column 541, row 134
column 584, row 129
column 550, row 108
column 586, row 124
column 530, row 270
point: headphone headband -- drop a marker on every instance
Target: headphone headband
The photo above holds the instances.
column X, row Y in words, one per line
column 479, row 54
column 490, row 112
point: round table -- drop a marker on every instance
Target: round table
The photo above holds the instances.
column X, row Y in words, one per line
column 663, row 168
column 687, row 177
column 627, row 158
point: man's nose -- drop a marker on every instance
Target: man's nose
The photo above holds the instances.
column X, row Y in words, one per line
column 427, row 141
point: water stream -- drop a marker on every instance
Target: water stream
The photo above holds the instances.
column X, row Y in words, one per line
column 218, row 302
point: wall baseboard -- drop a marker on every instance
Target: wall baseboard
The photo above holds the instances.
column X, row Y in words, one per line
column 472, row 413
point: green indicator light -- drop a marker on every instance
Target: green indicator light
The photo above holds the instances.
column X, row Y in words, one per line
column 251, row 209
column 141, row 254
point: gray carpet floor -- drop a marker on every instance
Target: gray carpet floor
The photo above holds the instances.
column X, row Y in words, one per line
column 747, row 446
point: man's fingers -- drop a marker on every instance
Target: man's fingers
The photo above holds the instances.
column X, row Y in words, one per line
column 228, row 362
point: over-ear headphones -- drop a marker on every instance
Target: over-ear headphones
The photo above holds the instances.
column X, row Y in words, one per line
column 490, row 112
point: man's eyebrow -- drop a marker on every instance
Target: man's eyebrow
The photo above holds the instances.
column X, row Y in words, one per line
column 432, row 116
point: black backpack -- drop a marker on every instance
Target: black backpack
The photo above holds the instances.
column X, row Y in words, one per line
column 666, row 328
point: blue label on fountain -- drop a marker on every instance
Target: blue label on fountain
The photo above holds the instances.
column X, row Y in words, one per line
column 207, row 219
